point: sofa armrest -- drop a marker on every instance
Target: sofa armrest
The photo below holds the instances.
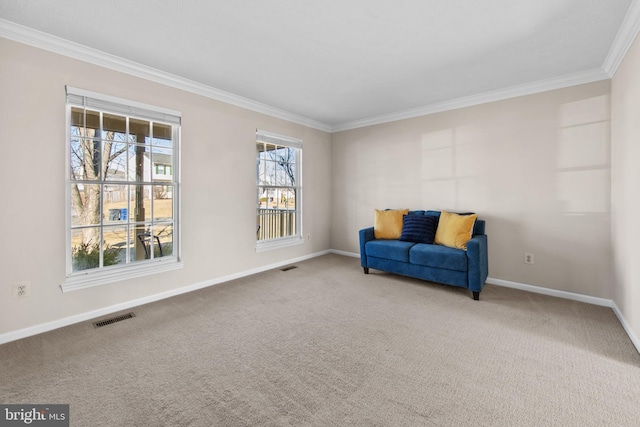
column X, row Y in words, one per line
column 478, row 258
column 366, row 234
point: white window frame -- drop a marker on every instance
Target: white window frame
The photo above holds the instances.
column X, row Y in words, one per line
column 296, row 239
column 108, row 104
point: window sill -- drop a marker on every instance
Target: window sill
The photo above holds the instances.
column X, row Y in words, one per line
column 268, row 245
column 84, row 280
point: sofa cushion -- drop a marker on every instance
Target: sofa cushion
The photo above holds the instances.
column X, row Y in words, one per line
column 478, row 226
column 389, row 249
column 419, row 228
column 387, row 224
column 438, row 256
column 455, row 230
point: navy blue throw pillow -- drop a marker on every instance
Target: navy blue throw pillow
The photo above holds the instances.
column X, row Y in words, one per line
column 419, row 228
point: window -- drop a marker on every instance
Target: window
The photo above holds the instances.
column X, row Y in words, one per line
column 279, row 190
column 121, row 218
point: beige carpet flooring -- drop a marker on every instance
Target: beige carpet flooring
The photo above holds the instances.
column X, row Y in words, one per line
column 325, row 345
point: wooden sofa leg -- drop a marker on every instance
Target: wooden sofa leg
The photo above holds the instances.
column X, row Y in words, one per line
column 366, row 270
column 476, row 295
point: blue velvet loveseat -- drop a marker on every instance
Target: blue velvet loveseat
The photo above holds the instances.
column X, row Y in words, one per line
column 466, row 268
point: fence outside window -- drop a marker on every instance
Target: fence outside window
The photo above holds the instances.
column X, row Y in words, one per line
column 276, row 223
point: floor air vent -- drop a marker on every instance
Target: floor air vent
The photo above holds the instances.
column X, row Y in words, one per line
column 116, row 319
column 291, row 267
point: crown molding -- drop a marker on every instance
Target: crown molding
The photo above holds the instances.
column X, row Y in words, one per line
column 624, row 39
column 48, row 42
column 54, row 44
column 582, row 77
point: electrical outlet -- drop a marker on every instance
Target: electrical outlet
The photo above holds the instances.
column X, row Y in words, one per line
column 22, row 290
column 528, row 258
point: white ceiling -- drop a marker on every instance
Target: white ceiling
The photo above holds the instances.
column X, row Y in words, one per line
column 343, row 62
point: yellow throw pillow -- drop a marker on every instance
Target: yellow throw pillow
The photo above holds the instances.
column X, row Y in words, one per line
column 455, row 230
column 388, row 224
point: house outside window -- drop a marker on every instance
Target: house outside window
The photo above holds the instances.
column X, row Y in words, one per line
column 122, row 219
column 279, row 190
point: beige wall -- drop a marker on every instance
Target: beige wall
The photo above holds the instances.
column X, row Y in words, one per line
column 536, row 168
column 218, row 186
column 625, row 201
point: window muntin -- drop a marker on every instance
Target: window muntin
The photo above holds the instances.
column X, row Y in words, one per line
column 278, row 188
column 120, row 213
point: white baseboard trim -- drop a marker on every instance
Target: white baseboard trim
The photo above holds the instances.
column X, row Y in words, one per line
column 575, row 297
column 551, row 292
column 632, row 336
column 49, row 326
column 56, row 324
column 343, row 253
